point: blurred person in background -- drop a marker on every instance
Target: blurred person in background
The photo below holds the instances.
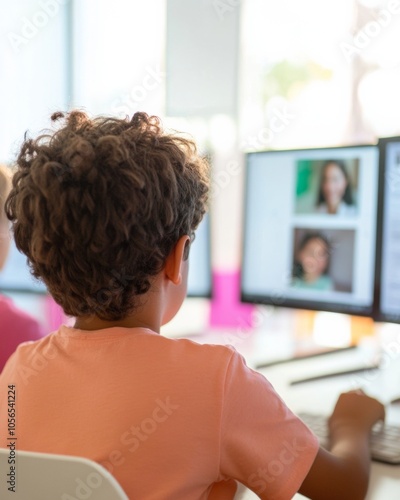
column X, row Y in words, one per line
column 15, row 325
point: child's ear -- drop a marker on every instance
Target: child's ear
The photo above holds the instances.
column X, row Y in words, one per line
column 173, row 264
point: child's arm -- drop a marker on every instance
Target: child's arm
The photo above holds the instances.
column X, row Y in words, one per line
column 344, row 471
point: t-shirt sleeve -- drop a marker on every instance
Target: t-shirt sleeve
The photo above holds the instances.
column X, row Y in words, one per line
column 263, row 444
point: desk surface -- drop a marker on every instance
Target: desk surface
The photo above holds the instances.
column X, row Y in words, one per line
column 320, row 396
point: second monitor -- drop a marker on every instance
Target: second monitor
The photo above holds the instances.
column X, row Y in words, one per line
column 388, row 275
column 15, row 277
column 310, row 228
column 199, row 279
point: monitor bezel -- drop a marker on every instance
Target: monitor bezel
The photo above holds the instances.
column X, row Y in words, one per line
column 334, row 307
column 24, row 291
column 378, row 314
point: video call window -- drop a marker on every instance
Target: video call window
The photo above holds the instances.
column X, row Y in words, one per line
column 323, row 259
column 327, row 186
column 310, row 228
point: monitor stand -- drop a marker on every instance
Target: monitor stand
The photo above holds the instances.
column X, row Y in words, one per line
column 301, row 335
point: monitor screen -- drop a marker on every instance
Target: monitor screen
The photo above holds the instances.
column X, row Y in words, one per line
column 199, row 280
column 310, row 228
column 15, row 277
column 388, row 269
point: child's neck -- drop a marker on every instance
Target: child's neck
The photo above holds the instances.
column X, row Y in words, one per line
column 95, row 323
column 150, row 312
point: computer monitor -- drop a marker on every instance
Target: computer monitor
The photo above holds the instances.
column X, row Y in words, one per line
column 388, row 251
column 310, row 228
column 15, row 277
column 199, row 279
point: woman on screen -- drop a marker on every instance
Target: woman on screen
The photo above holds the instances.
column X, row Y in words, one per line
column 335, row 194
column 312, row 260
column 15, row 326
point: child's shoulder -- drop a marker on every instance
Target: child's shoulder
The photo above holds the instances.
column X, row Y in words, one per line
column 187, row 344
column 202, row 354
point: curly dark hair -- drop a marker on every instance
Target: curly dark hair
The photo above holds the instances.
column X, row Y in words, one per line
column 98, row 205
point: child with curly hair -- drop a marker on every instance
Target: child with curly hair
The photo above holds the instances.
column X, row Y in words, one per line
column 105, row 209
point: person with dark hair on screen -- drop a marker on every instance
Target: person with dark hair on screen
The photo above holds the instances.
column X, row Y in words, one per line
column 312, row 261
column 335, row 193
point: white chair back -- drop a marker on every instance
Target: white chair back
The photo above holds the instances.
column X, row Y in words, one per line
column 42, row 476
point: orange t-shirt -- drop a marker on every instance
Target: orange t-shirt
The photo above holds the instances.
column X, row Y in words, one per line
column 170, row 419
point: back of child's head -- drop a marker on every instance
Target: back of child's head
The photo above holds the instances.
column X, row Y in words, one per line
column 99, row 204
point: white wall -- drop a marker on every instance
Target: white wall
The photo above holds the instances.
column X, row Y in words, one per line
column 33, row 58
